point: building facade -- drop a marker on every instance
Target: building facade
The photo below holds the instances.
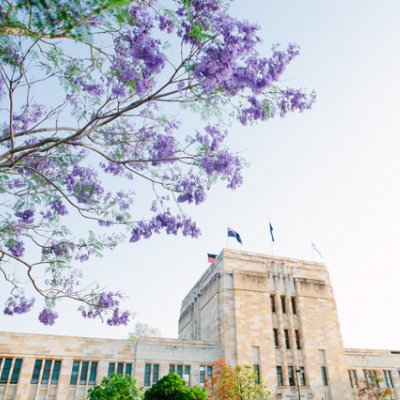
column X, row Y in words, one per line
column 276, row 314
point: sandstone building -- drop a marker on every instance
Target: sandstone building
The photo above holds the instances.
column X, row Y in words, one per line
column 276, row 314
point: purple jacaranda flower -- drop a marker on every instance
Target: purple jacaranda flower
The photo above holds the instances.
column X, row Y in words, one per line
column 164, row 221
column 166, row 24
column 295, row 100
column 18, row 304
column 119, row 318
column 48, row 316
column 191, row 190
column 118, row 91
column 16, row 247
column 58, row 207
column 212, row 138
column 83, row 184
column 106, row 304
column 26, row 217
column 64, row 279
column 163, row 150
column 28, row 116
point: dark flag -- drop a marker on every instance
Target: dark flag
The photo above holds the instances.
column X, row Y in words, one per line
column 271, row 231
column 232, row 233
column 211, row 257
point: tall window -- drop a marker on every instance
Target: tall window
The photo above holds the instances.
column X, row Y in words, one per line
column 186, row 375
column 353, row 378
column 6, row 370
column 179, row 370
column 294, row 308
column 388, row 378
column 56, row 372
column 256, row 369
column 111, row 368
column 122, row 368
column 276, row 337
column 279, row 376
column 16, row 370
column 36, row 371
column 156, row 372
column 46, row 372
column 147, row 373
column 84, row 373
column 283, row 304
column 93, row 373
column 10, row 363
column 324, row 372
column 81, row 369
column 287, row 341
column 292, row 382
column 297, row 336
column 203, row 371
column 371, row 376
column 272, row 297
column 74, row 373
column 324, row 375
column 302, row 376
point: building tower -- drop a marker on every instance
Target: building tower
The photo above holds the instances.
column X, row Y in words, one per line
column 277, row 314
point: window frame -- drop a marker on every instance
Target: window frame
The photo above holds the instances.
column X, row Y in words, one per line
column 287, row 338
column 279, row 376
column 276, row 337
column 283, row 304
column 291, row 377
column 294, row 305
column 273, row 305
column 6, row 370
column 298, row 340
column 16, row 371
column 324, row 375
column 147, row 375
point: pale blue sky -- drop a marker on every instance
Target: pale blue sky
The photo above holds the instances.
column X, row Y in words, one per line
column 330, row 175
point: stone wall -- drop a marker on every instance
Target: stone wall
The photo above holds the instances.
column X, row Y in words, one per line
column 227, row 314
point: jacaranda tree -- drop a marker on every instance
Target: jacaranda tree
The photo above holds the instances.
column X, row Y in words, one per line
column 89, row 94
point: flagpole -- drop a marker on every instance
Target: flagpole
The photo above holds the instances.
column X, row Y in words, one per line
column 271, row 236
column 312, row 251
column 227, row 236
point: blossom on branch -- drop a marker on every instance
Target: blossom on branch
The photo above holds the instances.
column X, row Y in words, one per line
column 87, row 133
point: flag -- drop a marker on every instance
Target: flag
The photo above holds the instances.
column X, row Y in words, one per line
column 271, row 231
column 316, row 250
column 232, row 233
column 211, row 257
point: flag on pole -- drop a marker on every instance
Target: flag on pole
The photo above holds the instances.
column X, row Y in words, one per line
column 316, row 250
column 211, row 257
column 271, row 231
column 232, row 233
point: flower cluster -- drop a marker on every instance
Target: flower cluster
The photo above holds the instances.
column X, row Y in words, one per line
column 83, row 184
column 106, row 304
column 16, row 247
column 167, row 222
column 18, row 304
column 138, row 58
column 25, row 217
column 110, row 126
column 47, row 316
